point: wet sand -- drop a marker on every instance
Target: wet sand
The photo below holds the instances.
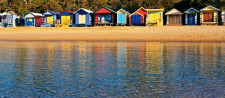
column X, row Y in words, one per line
column 105, row 33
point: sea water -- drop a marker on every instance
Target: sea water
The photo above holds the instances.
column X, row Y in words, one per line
column 112, row 69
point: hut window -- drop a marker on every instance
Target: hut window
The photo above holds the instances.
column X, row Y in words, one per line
column 208, row 17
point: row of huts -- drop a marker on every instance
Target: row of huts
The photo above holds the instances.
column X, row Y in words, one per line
column 106, row 16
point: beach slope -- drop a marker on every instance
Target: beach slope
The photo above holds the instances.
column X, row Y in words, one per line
column 105, row 33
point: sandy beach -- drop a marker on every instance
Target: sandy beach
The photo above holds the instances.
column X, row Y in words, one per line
column 105, row 33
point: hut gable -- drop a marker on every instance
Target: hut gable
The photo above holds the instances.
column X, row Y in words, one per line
column 31, row 14
column 105, row 10
column 51, row 13
column 122, row 11
column 136, row 13
column 174, row 12
column 9, row 13
column 142, row 11
column 191, row 10
column 84, row 10
column 210, row 8
column 66, row 13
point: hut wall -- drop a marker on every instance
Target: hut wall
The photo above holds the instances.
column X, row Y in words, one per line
column 155, row 17
column 174, row 19
column 38, row 21
column 223, row 17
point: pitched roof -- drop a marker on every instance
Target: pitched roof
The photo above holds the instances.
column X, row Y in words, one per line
column 210, row 7
column 51, row 13
column 154, row 10
column 141, row 8
column 136, row 13
column 191, row 10
column 34, row 14
column 112, row 11
column 174, row 12
column 86, row 10
column 68, row 12
column 8, row 13
column 123, row 10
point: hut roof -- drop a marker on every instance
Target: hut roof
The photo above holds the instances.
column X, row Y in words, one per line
column 34, row 14
column 102, row 10
column 8, row 13
column 210, row 7
column 51, row 13
column 142, row 11
column 86, row 10
column 154, row 10
column 66, row 13
column 142, row 8
column 174, row 12
column 191, row 10
column 136, row 13
column 123, row 11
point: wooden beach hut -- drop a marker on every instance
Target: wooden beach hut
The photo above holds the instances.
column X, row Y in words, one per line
column 8, row 19
column 154, row 17
column 66, row 18
column 105, row 16
column 174, row 17
column 50, row 17
column 0, row 19
column 138, row 18
column 83, row 17
column 209, row 15
column 223, row 17
column 191, row 16
column 122, row 17
column 33, row 19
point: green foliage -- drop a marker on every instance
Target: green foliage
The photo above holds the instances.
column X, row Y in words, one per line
column 23, row 6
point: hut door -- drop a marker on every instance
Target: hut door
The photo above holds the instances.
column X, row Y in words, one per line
column 208, row 17
column 191, row 19
column 122, row 18
column 29, row 22
column 65, row 21
column 38, row 21
column 50, row 20
column 136, row 19
column 155, row 17
column 82, row 19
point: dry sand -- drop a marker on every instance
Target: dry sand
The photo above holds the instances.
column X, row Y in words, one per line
column 105, row 33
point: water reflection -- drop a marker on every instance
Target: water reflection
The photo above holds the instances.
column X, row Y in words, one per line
column 100, row 69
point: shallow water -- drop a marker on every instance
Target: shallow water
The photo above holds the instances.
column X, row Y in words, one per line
column 112, row 69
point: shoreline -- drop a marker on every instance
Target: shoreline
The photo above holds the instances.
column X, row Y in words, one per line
column 114, row 33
